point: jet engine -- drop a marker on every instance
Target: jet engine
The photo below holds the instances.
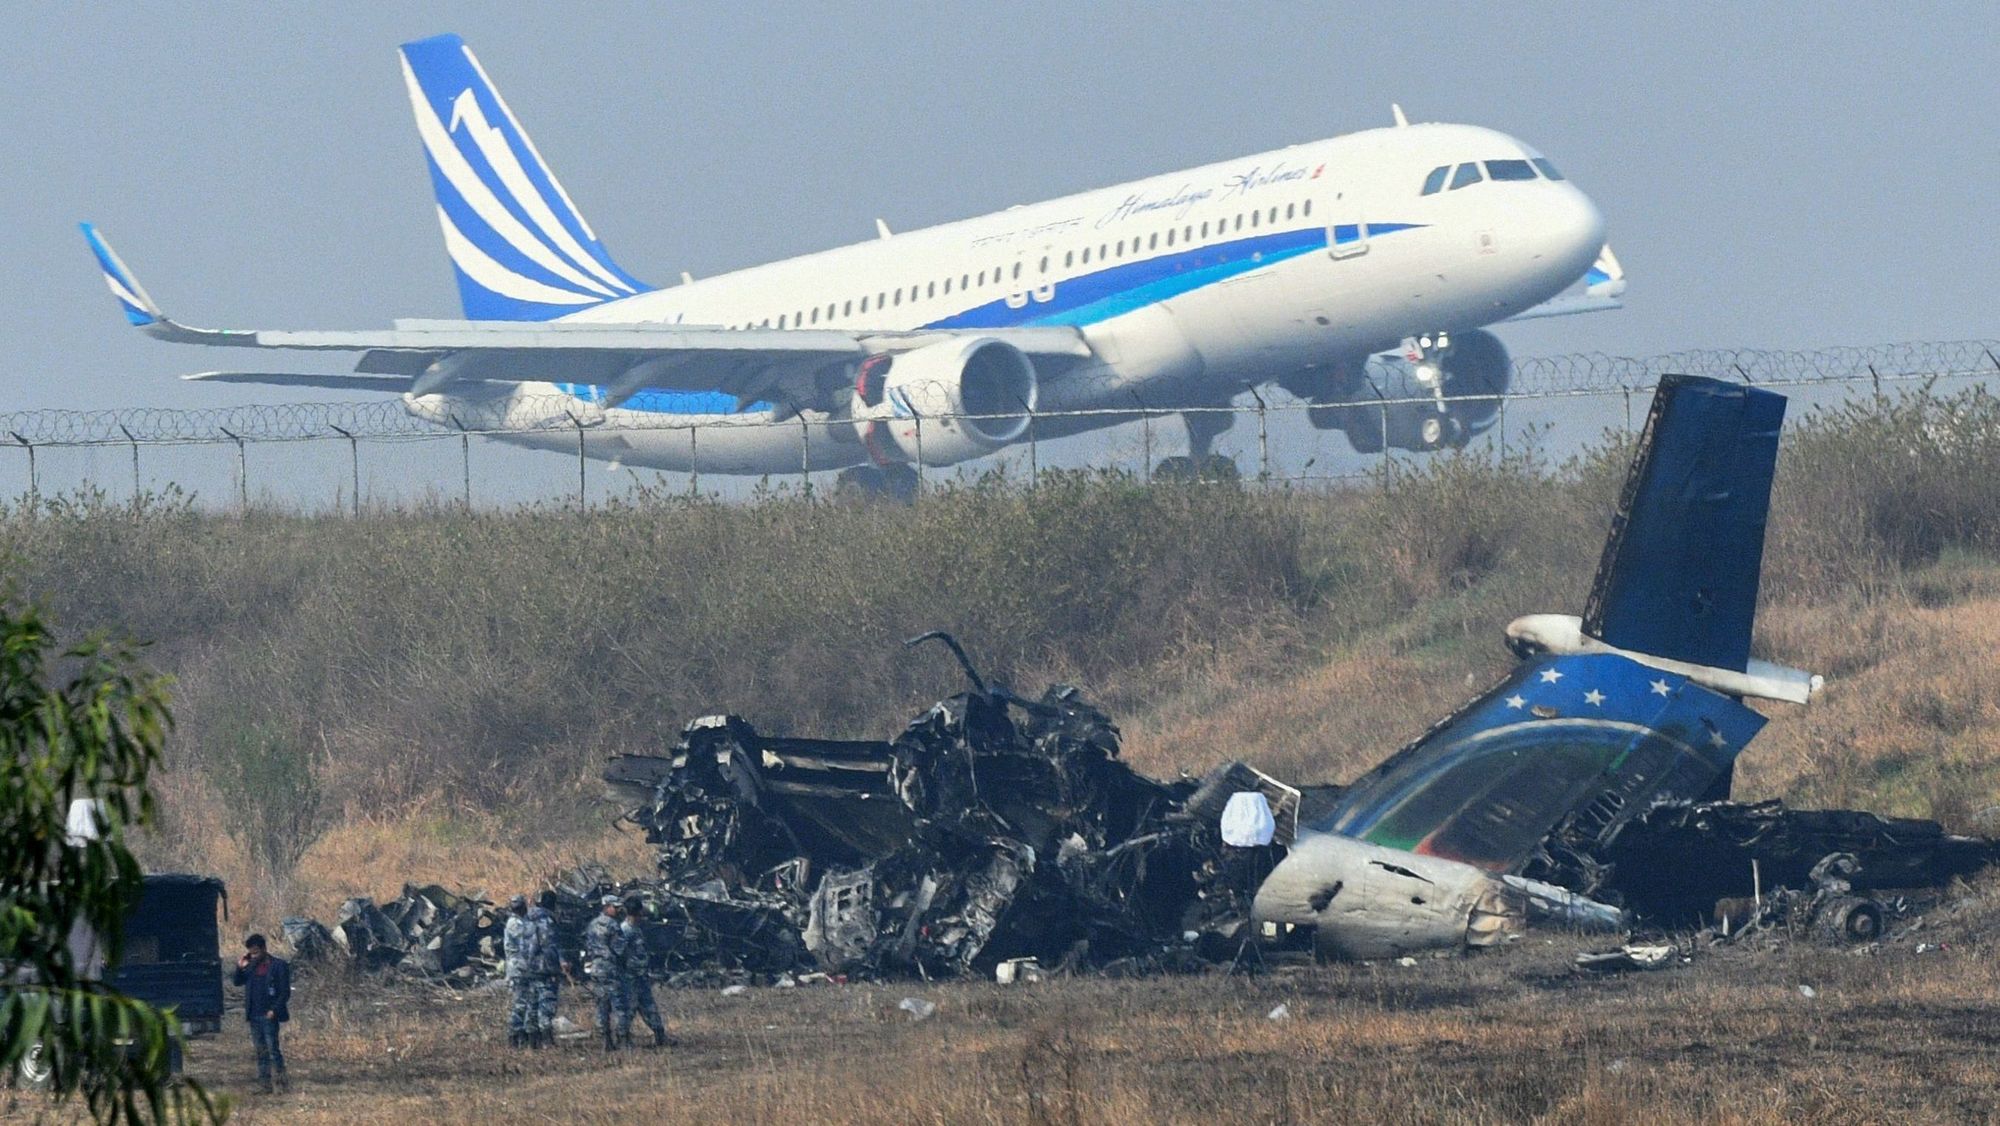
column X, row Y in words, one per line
column 944, row 403
column 1425, row 397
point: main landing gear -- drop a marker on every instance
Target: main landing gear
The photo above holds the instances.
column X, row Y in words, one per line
column 896, row 482
column 1203, row 428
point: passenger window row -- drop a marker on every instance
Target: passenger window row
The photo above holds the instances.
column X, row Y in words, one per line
column 1105, row 251
column 1468, row 174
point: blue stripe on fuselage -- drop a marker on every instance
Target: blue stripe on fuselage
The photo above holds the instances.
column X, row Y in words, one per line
column 654, row 401
column 1083, row 300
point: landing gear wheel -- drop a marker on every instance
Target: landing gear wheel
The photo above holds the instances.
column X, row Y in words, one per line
column 1214, row 468
column 899, row 483
column 1851, row 920
column 1440, row 431
column 870, row 482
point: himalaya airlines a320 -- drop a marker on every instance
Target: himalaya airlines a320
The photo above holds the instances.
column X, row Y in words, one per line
column 1349, row 272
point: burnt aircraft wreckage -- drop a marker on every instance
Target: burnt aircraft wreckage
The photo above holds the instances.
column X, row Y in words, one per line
column 1588, row 789
column 1595, row 775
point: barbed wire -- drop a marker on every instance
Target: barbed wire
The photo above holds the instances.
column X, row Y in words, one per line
column 388, row 418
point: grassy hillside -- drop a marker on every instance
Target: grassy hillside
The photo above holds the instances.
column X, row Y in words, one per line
column 428, row 693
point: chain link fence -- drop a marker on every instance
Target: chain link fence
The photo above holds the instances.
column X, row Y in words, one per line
column 349, row 454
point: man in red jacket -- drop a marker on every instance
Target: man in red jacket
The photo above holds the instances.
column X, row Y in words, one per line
column 267, row 998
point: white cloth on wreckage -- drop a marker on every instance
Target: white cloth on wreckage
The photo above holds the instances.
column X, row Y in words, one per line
column 1247, row 821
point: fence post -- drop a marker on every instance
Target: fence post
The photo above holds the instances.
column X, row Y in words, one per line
column 1146, row 434
column 354, row 468
column 919, row 420
column 1034, row 455
column 1386, row 460
column 1263, row 437
column 1628, row 412
column 242, row 474
column 694, row 460
column 34, row 482
column 582, row 482
column 805, row 455
column 135, row 464
column 464, row 459
column 1503, row 428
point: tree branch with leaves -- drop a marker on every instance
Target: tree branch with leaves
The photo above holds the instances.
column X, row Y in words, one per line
column 84, row 723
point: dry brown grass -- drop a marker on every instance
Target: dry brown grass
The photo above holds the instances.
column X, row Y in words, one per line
column 1508, row 1037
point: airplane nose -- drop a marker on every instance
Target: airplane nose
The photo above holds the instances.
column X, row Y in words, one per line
column 1571, row 234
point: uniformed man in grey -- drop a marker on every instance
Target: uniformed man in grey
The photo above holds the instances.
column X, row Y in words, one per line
column 603, row 950
column 549, row 968
column 518, row 942
column 637, row 979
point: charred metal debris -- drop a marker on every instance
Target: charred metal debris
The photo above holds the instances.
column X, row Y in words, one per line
column 994, row 828
column 1002, row 835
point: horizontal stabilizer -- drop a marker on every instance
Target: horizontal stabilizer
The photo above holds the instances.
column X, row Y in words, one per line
column 1680, row 570
column 391, row 383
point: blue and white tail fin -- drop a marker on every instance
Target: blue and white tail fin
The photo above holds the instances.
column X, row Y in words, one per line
column 519, row 247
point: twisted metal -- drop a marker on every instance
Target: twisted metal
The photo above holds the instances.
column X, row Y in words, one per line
column 387, row 419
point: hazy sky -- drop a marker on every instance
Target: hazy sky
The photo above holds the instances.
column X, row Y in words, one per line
column 1773, row 176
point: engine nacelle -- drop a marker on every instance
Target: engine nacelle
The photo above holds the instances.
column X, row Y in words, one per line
column 944, row 403
column 1432, row 402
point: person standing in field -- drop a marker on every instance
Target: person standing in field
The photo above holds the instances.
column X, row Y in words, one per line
column 267, row 999
column 603, row 952
column 518, row 943
column 636, row 979
column 548, row 969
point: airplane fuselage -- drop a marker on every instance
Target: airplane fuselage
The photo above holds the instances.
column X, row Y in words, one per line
column 1186, row 286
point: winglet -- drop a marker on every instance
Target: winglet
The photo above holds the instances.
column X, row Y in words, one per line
column 1605, row 278
column 142, row 311
column 132, row 297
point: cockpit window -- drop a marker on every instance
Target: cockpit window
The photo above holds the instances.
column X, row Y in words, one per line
column 1549, row 170
column 1510, row 170
column 1467, row 174
column 1435, row 181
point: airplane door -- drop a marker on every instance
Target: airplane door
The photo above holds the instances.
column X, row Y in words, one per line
column 1346, row 231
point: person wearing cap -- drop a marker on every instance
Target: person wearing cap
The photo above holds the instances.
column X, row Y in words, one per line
column 603, row 952
column 547, row 971
column 636, row 979
column 267, row 998
column 518, row 943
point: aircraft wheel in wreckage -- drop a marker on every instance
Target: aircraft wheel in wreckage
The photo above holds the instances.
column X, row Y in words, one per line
column 886, row 482
column 35, row 1072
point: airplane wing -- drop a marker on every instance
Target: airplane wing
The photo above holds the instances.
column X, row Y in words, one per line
column 1603, row 288
column 431, row 354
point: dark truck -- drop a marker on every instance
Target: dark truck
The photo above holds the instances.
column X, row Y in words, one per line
column 172, row 945
column 171, row 960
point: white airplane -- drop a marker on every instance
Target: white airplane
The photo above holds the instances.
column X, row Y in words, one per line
column 1350, row 272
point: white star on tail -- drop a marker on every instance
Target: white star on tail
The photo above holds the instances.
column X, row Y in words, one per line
column 1659, row 688
column 1550, row 676
column 1516, row 701
column 1594, row 698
